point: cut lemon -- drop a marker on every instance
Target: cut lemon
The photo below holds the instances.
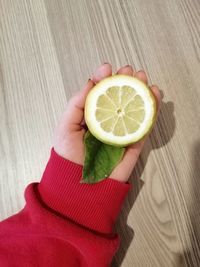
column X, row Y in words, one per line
column 120, row 110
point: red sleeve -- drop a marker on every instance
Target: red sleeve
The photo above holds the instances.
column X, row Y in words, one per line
column 64, row 222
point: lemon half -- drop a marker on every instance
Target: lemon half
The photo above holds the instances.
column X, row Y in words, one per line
column 120, row 110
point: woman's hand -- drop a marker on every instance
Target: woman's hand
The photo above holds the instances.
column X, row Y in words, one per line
column 69, row 134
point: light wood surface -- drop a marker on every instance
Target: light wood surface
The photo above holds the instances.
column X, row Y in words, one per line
column 48, row 49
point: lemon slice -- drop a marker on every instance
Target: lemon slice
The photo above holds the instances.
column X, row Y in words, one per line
column 120, row 110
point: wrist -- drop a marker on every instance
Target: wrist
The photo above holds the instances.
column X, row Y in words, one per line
column 61, row 190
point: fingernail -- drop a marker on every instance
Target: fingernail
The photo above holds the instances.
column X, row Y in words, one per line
column 127, row 66
column 90, row 80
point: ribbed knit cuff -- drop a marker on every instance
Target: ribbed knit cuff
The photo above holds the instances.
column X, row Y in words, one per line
column 95, row 206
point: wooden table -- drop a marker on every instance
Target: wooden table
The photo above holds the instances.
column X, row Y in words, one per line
column 48, row 49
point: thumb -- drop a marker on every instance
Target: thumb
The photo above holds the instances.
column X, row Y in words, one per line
column 74, row 113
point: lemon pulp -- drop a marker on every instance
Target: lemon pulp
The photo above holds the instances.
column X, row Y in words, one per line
column 120, row 110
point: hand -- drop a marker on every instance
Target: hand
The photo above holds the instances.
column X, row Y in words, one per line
column 69, row 134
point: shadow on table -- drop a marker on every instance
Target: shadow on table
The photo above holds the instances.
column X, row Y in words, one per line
column 192, row 257
column 160, row 136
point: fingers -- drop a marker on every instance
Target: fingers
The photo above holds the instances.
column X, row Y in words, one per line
column 156, row 92
column 127, row 70
column 102, row 72
column 141, row 75
column 74, row 112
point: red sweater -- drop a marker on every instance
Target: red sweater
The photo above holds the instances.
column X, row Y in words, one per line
column 64, row 222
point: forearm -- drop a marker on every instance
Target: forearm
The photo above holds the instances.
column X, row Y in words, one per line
column 64, row 219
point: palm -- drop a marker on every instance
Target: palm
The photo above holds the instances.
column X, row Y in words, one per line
column 69, row 135
column 70, row 145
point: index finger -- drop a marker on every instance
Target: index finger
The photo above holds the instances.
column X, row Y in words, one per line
column 74, row 113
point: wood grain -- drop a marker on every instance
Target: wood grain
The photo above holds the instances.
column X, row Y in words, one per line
column 48, row 49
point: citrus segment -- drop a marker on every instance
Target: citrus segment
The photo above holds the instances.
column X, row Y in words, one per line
column 105, row 102
column 138, row 115
column 119, row 129
column 114, row 94
column 128, row 93
column 131, row 125
column 104, row 114
column 108, row 124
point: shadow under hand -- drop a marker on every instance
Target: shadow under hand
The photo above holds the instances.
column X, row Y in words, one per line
column 159, row 137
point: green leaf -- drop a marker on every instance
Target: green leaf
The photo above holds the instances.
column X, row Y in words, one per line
column 100, row 159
